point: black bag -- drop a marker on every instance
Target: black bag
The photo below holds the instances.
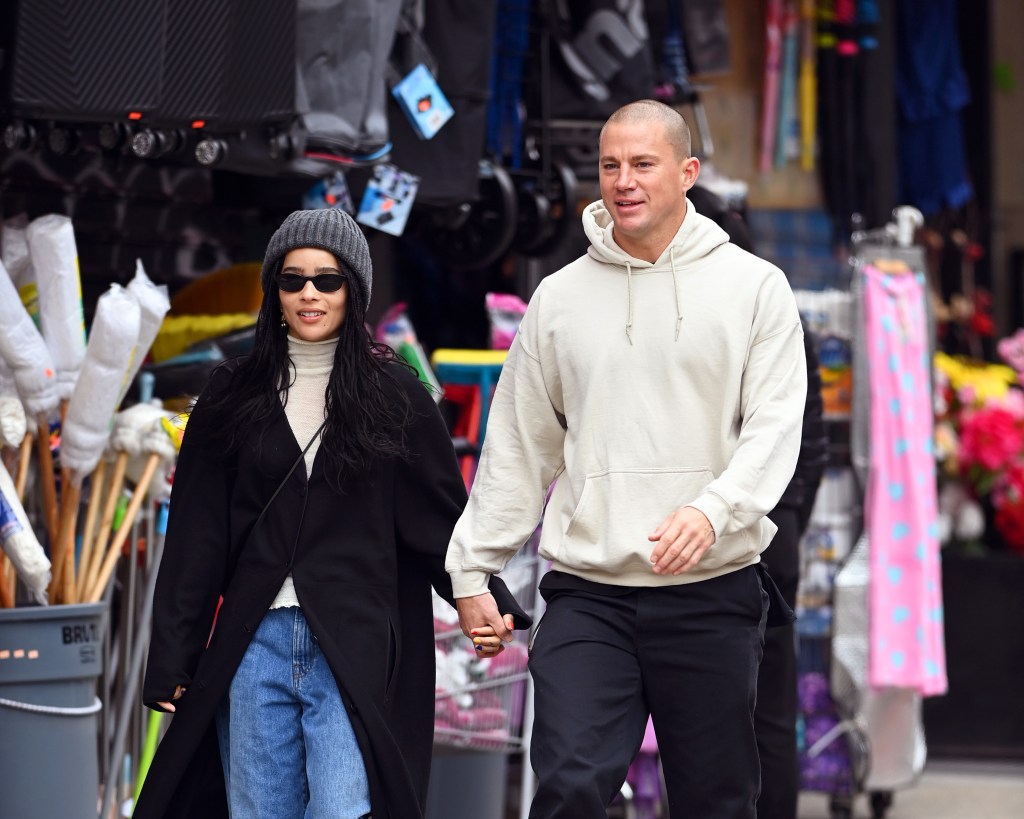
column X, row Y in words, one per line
column 455, row 39
column 601, row 57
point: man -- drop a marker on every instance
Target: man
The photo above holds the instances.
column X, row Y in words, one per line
column 656, row 386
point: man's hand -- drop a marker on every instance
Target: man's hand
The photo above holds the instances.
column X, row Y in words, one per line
column 481, row 611
column 682, row 538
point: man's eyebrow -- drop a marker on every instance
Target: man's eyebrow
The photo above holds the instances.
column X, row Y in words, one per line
column 637, row 158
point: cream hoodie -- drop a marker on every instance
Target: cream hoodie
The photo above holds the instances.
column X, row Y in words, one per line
column 633, row 389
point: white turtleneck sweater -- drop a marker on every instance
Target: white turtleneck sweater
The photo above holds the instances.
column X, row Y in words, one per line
column 311, row 366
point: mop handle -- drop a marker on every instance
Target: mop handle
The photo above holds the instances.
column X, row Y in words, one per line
column 155, row 717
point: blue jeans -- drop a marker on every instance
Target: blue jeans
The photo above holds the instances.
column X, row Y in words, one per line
column 286, row 742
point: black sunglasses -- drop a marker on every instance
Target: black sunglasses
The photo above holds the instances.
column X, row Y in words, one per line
column 324, row 282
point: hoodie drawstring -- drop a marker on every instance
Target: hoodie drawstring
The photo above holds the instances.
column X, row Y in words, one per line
column 629, row 302
column 675, row 287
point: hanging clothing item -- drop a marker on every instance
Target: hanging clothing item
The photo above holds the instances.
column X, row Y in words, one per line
column 905, row 599
column 932, row 89
column 342, row 49
column 455, row 39
column 707, row 36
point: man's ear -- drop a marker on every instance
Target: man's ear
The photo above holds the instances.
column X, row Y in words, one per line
column 691, row 170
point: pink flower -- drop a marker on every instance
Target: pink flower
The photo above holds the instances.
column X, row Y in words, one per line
column 1011, row 350
column 991, row 438
column 1014, row 402
column 967, row 395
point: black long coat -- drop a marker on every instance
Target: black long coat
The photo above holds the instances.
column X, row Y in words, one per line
column 362, row 564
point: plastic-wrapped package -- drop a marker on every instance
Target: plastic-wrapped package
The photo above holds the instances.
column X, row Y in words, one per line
column 154, row 304
column 25, row 352
column 14, row 251
column 20, row 543
column 505, row 312
column 396, row 330
column 51, row 241
column 13, row 424
column 115, row 331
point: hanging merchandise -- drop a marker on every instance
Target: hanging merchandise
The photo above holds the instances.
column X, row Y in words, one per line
column 888, row 645
column 342, row 47
column 837, row 51
column 670, row 42
column 601, row 54
column 388, row 199
column 505, row 114
column 545, row 186
column 423, row 102
column 932, row 91
column 901, row 506
column 706, row 32
column 772, row 79
column 854, row 114
column 876, row 137
column 787, row 138
column 330, row 192
column 808, row 85
column 453, row 41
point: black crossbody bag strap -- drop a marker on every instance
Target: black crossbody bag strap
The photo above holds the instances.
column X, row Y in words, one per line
column 284, row 480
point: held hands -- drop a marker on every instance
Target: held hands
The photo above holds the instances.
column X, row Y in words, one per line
column 178, row 691
column 682, row 538
column 486, row 643
column 484, row 625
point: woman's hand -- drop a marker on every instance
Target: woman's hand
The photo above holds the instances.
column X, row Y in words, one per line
column 486, row 643
column 178, row 691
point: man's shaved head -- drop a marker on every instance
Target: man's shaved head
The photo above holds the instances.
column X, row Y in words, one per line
column 643, row 111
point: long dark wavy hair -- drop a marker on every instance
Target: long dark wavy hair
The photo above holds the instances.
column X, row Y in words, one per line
column 366, row 421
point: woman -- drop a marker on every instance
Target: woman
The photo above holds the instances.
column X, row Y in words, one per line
column 313, row 696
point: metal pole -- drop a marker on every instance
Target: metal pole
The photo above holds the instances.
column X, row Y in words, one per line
column 138, row 651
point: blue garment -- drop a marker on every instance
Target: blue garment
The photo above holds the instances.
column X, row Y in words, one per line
column 932, row 89
column 287, row 745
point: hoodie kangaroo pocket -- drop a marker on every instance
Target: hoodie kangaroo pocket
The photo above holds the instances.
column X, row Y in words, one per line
column 619, row 508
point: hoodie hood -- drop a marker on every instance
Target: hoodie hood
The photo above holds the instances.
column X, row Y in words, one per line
column 695, row 239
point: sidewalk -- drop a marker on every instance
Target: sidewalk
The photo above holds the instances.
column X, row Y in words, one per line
column 948, row 790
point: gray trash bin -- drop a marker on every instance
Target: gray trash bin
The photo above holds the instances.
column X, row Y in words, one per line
column 467, row 784
column 49, row 660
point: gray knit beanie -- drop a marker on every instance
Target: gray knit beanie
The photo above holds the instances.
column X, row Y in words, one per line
column 329, row 229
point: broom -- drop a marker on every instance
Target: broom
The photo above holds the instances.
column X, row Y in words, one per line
column 159, row 446
column 86, row 430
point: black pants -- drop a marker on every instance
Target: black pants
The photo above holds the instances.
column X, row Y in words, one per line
column 775, row 716
column 604, row 657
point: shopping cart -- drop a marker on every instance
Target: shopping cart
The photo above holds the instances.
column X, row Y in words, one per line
column 480, row 704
